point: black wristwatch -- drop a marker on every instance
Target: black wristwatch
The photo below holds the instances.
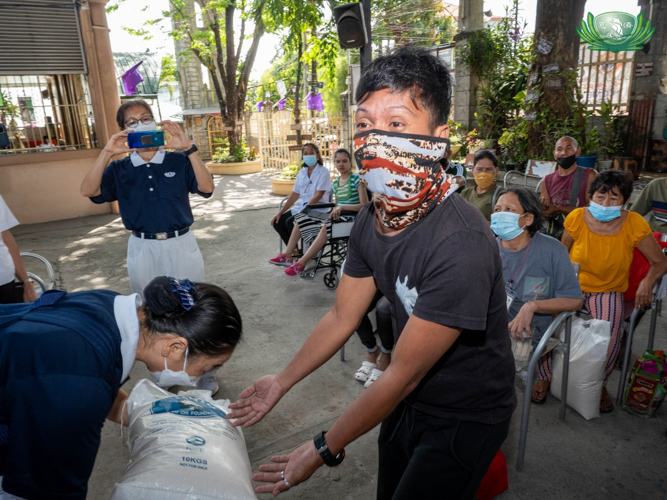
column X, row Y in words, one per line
column 323, row 450
column 193, row 149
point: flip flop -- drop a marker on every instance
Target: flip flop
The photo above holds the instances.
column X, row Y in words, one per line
column 540, row 401
column 610, row 408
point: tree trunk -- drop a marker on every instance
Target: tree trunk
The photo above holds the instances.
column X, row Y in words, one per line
column 556, row 22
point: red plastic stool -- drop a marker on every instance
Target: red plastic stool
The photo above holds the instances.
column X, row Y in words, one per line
column 495, row 480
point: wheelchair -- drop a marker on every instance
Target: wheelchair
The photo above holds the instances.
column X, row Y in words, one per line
column 41, row 285
column 334, row 251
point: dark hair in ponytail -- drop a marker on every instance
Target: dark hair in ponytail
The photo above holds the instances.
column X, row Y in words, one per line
column 212, row 326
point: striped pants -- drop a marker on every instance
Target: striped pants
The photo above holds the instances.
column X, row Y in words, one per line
column 607, row 306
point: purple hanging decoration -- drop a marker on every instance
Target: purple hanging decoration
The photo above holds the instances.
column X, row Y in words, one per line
column 131, row 78
column 281, row 104
column 309, row 101
column 317, row 103
column 260, row 105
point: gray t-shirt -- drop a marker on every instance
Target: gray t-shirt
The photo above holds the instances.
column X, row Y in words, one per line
column 544, row 272
column 446, row 269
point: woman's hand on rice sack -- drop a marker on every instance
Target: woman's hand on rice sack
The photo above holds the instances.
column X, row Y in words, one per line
column 522, row 322
column 256, row 401
column 296, row 468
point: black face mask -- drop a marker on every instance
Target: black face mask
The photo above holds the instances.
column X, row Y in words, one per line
column 566, row 162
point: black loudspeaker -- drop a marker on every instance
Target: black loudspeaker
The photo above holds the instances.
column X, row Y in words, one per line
column 4, row 137
column 351, row 25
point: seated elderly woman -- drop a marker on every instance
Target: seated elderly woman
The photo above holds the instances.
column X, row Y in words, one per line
column 350, row 197
column 602, row 238
column 312, row 185
column 539, row 279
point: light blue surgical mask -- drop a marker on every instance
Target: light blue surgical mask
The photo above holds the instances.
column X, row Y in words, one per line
column 604, row 214
column 310, row 160
column 506, row 225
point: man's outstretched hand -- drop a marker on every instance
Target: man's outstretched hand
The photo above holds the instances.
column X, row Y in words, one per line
column 256, row 401
column 295, row 467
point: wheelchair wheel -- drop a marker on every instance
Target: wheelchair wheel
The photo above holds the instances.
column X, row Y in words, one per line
column 331, row 279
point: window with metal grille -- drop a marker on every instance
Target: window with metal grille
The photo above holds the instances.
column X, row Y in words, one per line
column 45, row 113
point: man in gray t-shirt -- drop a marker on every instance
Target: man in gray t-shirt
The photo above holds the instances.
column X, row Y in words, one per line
column 540, row 271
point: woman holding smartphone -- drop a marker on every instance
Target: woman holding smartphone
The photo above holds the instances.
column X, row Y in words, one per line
column 152, row 186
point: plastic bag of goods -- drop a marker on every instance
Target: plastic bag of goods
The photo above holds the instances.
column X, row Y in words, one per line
column 588, row 355
column 647, row 384
column 183, row 448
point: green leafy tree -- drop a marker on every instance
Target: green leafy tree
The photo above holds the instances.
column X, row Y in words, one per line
column 416, row 22
column 168, row 73
column 227, row 45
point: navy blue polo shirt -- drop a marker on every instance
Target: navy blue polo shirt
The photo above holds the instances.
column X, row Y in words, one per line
column 153, row 197
column 60, row 371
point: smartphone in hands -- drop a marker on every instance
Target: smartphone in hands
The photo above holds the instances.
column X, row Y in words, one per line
column 145, row 139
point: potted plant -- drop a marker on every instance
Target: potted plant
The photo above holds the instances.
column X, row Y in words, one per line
column 473, row 142
column 241, row 159
column 514, row 146
column 615, row 137
column 589, row 150
column 283, row 183
column 457, row 133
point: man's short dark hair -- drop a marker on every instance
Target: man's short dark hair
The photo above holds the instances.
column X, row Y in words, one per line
column 610, row 179
column 486, row 154
column 418, row 71
column 531, row 205
column 120, row 115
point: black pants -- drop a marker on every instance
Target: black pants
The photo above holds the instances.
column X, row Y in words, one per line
column 422, row 456
column 383, row 319
column 10, row 293
column 284, row 226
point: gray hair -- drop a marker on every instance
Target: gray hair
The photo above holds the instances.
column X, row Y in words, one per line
column 530, row 204
column 574, row 142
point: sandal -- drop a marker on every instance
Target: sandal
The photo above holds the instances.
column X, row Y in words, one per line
column 539, row 400
column 362, row 373
column 608, row 405
column 375, row 374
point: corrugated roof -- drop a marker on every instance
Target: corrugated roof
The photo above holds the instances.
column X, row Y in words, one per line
column 150, row 70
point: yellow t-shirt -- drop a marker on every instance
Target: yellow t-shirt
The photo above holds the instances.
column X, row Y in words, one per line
column 605, row 259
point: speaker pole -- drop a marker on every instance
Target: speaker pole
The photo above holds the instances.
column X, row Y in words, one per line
column 366, row 52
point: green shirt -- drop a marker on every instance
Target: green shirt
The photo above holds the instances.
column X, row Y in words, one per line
column 653, row 199
column 347, row 194
column 482, row 202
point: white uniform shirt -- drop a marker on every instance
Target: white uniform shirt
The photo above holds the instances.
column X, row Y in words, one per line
column 7, row 221
column 320, row 180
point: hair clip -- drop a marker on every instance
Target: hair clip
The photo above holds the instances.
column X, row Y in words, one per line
column 183, row 290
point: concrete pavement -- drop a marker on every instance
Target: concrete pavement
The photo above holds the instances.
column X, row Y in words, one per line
column 616, row 457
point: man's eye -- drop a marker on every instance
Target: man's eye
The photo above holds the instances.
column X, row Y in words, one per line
column 396, row 124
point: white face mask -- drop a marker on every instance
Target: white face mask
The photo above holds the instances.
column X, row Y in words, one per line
column 144, row 127
column 168, row 378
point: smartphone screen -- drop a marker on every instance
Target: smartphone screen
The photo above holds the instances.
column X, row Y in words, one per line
column 145, row 139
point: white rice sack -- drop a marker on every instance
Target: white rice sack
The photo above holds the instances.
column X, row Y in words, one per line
column 183, row 448
column 588, row 356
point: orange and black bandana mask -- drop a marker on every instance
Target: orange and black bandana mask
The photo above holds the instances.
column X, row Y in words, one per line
column 404, row 172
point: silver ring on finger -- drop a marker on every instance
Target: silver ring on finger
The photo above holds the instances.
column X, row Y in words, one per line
column 287, row 484
column 282, row 475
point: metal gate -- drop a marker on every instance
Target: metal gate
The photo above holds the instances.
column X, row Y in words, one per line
column 271, row 133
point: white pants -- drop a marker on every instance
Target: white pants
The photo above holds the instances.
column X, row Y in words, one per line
column 178, row 257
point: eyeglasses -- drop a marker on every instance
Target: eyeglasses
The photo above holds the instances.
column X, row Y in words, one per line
column 144, row 119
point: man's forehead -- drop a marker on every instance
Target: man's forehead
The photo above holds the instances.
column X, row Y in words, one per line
column 564, row 142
